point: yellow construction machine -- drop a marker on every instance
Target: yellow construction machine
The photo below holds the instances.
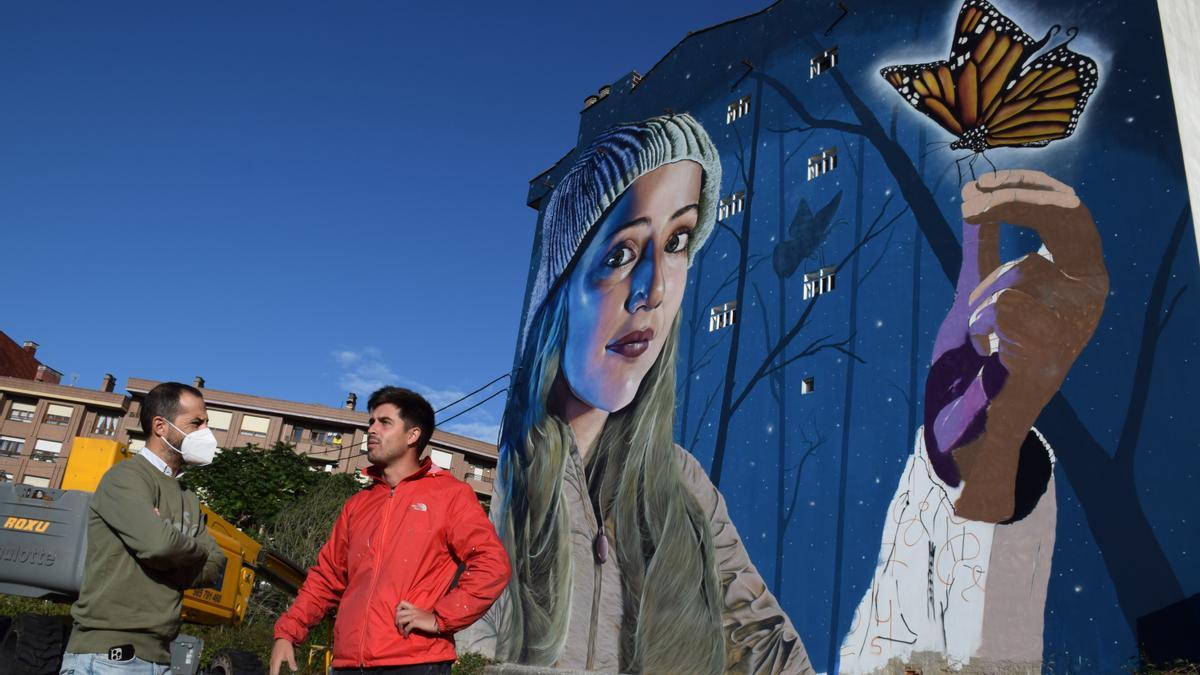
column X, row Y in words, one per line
column 43, row 542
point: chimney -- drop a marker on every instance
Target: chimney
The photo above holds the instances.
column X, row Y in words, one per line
column 30, row 347
column 351, row 401
column 108, row 383
column 198, row 382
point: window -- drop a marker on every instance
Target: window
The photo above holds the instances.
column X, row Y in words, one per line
column 58, row 415
column 106, row 425
column 11, row 446
column 46, row 451
column 5, row 477
column 737, row 110
column 136, row 445
column 255, row 426
column 22, row 412
column 819, row 282
column 477, row 472
column 441, row 458
column 822, row 62
column 36, row 481
column 722, row 316
column 219, row 419
column 807, row 385
column 297, row 434
column 731, row 205
column 326, row 437
column 823, row 163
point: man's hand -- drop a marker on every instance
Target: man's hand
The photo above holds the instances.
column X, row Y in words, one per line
column 282, row 651
column 1012, row 334
column 410, row 617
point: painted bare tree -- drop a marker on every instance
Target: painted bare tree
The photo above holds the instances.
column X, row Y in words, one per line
column 1117, row 520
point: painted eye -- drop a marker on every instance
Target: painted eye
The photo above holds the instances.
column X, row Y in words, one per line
column 621, row 255
column 678, row 241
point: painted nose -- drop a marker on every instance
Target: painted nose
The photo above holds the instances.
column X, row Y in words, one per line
column 647, row 285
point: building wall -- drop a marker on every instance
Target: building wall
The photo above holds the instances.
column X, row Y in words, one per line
column 119, row 414
column 284, row 417
column 85, row 407
column 807, row 426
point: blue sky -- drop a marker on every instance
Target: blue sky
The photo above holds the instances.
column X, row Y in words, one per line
column 297, row 199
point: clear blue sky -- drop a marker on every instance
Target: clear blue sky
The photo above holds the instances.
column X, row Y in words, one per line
column 293, row 199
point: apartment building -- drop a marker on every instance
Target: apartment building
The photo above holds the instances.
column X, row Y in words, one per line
column 333, row 439
column 39, row 420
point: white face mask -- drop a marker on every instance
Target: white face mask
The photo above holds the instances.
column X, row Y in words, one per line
column 198, row 448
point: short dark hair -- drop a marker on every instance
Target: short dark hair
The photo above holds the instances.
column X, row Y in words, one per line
column 163, row 401
column 414, row 410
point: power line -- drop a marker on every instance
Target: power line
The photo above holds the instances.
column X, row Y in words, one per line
column 471, row 394
column 460, row 414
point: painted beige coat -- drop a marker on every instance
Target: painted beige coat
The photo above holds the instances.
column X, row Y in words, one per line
column 759, row 637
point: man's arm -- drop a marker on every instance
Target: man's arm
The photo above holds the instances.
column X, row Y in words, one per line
column 125, row 502
column 209, row 574
column 323, row 586
column 472, row 539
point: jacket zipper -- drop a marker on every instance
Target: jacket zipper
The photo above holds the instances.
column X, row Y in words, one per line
column 597, row 579
column 387, row 515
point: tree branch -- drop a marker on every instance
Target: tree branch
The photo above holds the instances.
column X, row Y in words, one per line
column 1144, row 368
column 795, row 104
column 703, row 414
column 1162, row 325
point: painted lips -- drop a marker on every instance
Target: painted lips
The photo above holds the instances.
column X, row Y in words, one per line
column 633, row 344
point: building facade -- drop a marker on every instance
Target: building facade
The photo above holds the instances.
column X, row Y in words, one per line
column 819, row 325
column 39, row 421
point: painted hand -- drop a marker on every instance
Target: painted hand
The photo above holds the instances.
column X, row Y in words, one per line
column 1011, row 335
column 410, row 617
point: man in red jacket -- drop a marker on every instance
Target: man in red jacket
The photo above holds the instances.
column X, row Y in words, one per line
column 391, row 559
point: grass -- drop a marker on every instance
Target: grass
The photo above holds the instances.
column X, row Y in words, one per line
column 255, row 636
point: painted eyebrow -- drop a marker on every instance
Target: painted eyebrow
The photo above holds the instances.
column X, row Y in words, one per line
column 633, row 223
column 690, row 207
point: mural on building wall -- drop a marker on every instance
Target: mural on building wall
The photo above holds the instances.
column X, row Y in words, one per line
column 803, row 385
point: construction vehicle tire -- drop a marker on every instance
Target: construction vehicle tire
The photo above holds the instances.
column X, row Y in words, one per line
column 234, row 662
column 34, row 644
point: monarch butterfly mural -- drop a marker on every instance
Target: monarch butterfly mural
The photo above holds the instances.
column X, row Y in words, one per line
column 989, row 94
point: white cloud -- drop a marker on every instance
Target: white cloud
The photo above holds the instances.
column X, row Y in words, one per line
column 346, row 358
column 482, row 431
column 362, row 371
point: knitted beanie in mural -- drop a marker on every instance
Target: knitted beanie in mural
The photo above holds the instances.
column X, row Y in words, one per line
column 610, row 164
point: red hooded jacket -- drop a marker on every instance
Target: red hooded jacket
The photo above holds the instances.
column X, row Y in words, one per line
column 395, row 544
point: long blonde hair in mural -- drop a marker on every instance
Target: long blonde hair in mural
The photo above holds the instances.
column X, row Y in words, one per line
column 672, row 599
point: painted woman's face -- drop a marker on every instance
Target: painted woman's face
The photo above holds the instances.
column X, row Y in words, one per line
column 626, row 288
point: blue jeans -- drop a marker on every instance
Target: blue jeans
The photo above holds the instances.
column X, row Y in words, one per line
column 98, row 664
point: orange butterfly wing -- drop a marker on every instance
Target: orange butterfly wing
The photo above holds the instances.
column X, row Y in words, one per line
column 1044, row 101
column 955, row 93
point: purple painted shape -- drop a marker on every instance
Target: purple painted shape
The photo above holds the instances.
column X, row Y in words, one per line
column 961, row 382
column 957, row 392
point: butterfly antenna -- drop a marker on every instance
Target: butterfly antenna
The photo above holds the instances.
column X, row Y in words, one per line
column 940, row 145
column 1071, row 33
column 1042, row 43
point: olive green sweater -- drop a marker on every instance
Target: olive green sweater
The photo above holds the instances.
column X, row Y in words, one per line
column 147, row 543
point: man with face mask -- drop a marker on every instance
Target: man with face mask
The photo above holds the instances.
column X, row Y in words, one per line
column 147, row 543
